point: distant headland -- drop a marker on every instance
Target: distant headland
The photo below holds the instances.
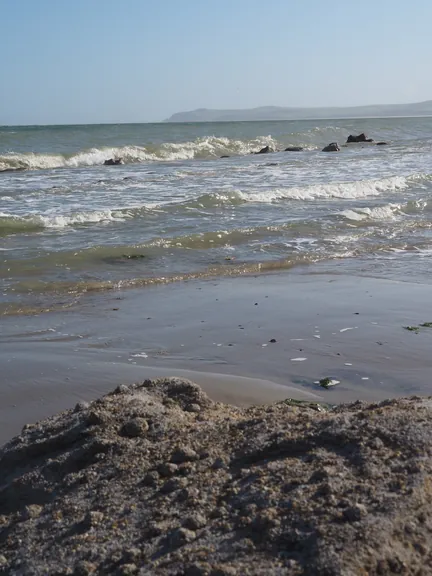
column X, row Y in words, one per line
column 268, row 113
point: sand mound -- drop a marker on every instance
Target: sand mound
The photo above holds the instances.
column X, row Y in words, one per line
column 158, row 479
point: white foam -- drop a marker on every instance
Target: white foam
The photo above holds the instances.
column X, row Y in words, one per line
column 388, row 212
column 360, row 189
column 62, row 221
column 208, row 147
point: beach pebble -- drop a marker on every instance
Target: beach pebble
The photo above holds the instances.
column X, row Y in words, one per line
column 96, row 418
column 198, row 569
column 355, row 513
column 134, row 428
column 80, row 406
column 195, row 522
column 273, row 341
column 182, row 536
column 128, row 569
column 219, row 463
column 85, row 568
column 3, row 560
column 167, row 469
column 122, row 389
column 298, row 359
column 184, row 454
column 132, row 555
column 174, row 484
column 193, row 408
column 93, row 518
column 32, row 511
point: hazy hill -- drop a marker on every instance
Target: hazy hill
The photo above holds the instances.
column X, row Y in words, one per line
column 281, row 113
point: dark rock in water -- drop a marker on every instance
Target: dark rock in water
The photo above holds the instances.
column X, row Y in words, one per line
column 360, row 138
column 381, row 143
column 294, row 149
column 225, row 156
column 133, row 256
column 113, row 162
column 333, row 147
column 264, row 150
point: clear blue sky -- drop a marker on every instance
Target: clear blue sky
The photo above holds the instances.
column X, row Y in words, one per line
column 90, row 61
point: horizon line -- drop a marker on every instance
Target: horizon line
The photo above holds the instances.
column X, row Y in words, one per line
column 221, row 121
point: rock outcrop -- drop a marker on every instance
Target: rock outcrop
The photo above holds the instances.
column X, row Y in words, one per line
column 264, row 150
column 333, row 147
column 113, row 162
column 294, row 149
column 158, row 479
column 360, row 138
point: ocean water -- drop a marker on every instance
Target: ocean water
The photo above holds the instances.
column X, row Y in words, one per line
column 175, row 210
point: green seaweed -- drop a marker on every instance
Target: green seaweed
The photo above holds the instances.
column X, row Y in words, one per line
column 426, row 325
column 325, row 382
column 412, row 328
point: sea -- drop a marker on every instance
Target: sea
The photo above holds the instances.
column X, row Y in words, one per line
column 176, row 211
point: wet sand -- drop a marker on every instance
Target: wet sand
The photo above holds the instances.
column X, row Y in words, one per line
column 218, row 334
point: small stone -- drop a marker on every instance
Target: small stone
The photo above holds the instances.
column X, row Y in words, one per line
column 127, row 569
column 93, row 518
column 96, row 418
column 134, row 428
column 32, row 511
column 195, row 522
column 132, row 555
column 3, row 560
column 198, row 569
column 122, row 389
column 174, row 484
column 85, row 568
column 81, row 406
column 273, row 341
column 182, row 536
column 355, row 513
column 193, row 408
column 151, row 478
column 224, row 571
column 186, row 468
column 167, row 469
column 185, row 454
column 376, row 443
column 219, row 463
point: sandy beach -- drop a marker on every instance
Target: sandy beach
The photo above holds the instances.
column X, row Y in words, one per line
column 219, row 334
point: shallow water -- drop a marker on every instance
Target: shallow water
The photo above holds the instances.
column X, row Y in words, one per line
column 175, row 210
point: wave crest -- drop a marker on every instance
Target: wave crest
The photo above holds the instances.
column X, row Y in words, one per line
column 208, row 147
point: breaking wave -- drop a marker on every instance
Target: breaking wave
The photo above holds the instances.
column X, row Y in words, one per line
column 359, row 189
column 209, row 147
column 14, row 224
column 11, row 223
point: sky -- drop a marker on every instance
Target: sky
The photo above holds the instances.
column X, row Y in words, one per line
column 94, row 61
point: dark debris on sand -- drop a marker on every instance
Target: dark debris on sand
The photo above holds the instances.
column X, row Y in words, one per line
column 156, row 479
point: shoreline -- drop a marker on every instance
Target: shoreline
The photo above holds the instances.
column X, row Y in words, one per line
column 219, row 333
